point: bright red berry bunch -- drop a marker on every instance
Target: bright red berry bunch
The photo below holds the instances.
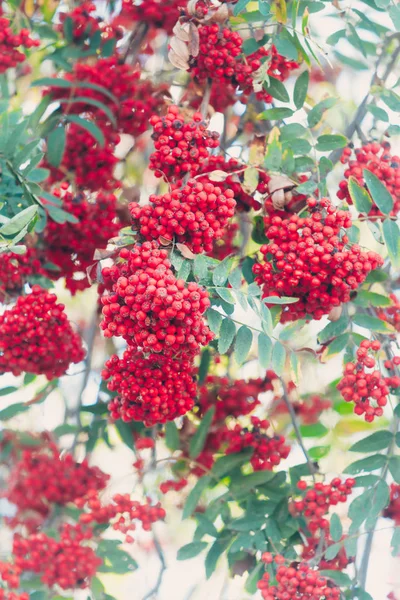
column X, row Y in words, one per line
column 367, row 388
column 230, row 398
column 318, row 498
column 96, row 171
column 152, row 389
column 278, row 67
column 36, row 337
column 121, row 513
column 180, row 146
column 150, row 307
column 85, row 24
column 71, row 246
column 269, row 450
column 160, row 14
column 173, row 485
column 299, row 581
column 15, row 270
column 66, row 562
column 309, row 259
column 312, row 550
column 218, row 51
column 195, row 215
column 378, row 159
column 393, row 509
column 10, row 56
column 44, row 477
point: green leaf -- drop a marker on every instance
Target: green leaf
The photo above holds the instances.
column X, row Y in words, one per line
column 195, row 495
column 365, row 298
column 214, row 320
column 391, row 99
column 225, row 294
column 253, row 578
column 191, row 550
column 395, row 542
column 125, row 433
column 326, row 143
column 335, row 528
column 315, row 430
column 300, row 89
column 245, row 483
column 8, row 390
column 56, row 146
column 379, row 440
column 59, row 215
column 227, row 463
column 221, row 271
column 65, row 429
column 240, row 6
column 380, row 194
column 315, row 115
column 66, row 84
column 92, row 102
column 244, row 339
column 358, row 42
column 12, row 411
column 391, row 235
column 341, row 579
column 394, row 468
column 226, row 335
column 333, row 329
column 280, row 300
column 378, row 113
column 89, row 126
column 275, row 114
column 371, row 323
column 332, row 551
column 273, row 156
column 276, row 89
column 216, row 550
column 264, row 350
column 172, row 436
column 278, row 358
column 372, row 463
column 394, row 12
column 335, row 37
column 360, row 197
column 199, row 438
column 19, row 221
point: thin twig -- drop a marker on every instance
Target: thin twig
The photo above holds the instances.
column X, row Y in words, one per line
column 153, row 593
column 296, row 428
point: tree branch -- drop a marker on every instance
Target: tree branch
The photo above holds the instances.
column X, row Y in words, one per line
column 153, row 593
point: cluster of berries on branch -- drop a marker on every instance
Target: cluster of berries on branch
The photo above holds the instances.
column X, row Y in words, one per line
column 15, row 270
column 152, row 389
column 308, row 258
column 36, row 337
column 367, row 388
column 85, row 24
column 160, row 14
column 378, row 159
column 298, row 581
column 195, row 215
column 181, row 145
column 392, row 511
column 10, row 56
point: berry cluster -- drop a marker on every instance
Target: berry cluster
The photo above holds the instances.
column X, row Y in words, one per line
column 367, row 389
column 318, row 498
column 152, row 389
column 268, row 450
column 171, row 484
column 195, row 215
column 15, row 270
column 121, row 513
column 160, row 14
column 10, row 56
column 180, row 146
column 66, row 562
column 230, row 398
column 313, row 548
column 310, row 261
column 299, row 581
column 71, row 246
column 150, row 307
column 131, row 104
column 227, row 245
column 378, row 159
column 393, row 509
column 391, row 314
column 36, row 337
column 94, row 173
column 308, row 410
column 43, row 477
column 217, row 55
column 85, row 24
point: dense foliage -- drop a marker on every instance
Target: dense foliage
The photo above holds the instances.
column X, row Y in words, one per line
column 199, row 254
